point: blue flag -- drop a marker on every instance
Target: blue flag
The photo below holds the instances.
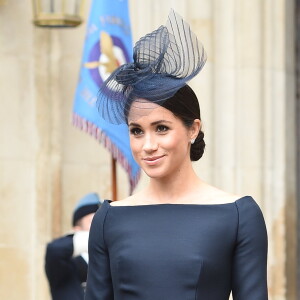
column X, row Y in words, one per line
column 108, row 44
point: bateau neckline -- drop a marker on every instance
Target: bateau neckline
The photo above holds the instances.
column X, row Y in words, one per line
column 177, row 204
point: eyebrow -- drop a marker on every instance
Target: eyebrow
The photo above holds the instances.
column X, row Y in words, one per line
column 152, row 124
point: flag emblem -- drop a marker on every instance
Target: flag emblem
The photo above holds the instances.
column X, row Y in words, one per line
column 105, row 56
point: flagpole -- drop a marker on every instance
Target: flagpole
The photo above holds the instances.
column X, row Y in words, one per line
column 114, row 178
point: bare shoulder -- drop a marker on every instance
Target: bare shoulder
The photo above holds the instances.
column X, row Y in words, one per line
column 225, row 197
column 215, row 195
column 129, row 201
column 123, row 202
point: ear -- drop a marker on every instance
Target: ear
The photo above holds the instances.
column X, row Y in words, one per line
column 195, row 129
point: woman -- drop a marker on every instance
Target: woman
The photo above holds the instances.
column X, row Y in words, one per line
column 180, row 238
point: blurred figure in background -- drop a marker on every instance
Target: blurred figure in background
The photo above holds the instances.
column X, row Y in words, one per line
column 67, row 256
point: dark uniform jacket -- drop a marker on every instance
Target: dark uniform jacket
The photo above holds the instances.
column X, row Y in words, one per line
column 66, row 274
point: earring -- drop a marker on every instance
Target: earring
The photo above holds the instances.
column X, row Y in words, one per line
column 192, row 141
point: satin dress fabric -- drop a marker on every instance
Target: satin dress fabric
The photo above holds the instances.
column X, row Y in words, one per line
column 178, row 252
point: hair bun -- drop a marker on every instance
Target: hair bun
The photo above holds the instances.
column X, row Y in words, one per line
column 197, row 149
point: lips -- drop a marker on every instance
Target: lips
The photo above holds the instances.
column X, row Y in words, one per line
column 152, row 160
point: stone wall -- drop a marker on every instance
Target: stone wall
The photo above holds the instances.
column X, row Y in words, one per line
column 297, row 14
column 247, row 98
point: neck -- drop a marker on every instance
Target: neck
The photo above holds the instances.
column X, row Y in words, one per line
column 173, row 188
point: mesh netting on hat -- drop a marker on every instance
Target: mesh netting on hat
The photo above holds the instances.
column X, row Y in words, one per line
column 163, row 61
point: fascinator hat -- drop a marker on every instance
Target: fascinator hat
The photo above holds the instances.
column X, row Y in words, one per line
column 163, row 62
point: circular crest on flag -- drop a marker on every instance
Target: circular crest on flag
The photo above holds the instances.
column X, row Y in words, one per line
column 107, row 54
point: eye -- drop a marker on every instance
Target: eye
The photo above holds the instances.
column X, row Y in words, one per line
column 136, row 131
column 162, row 128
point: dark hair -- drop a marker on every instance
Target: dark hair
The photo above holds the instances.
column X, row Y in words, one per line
column 185, row 106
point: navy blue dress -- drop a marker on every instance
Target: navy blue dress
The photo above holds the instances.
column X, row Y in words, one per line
column 178, row 252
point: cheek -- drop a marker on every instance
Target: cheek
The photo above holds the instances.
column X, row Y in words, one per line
column 174, row 142
column 135, row 145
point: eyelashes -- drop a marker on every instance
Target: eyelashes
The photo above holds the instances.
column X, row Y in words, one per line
column 137, row 131
column 162, row 128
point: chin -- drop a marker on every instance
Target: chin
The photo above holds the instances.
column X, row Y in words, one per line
column 156, row 174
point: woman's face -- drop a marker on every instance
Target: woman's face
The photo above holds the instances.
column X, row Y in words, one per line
column 159, row 141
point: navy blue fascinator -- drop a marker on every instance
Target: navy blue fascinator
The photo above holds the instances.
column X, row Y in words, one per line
column 163, row 62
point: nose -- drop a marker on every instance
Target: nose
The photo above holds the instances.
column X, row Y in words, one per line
column 150, row 143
